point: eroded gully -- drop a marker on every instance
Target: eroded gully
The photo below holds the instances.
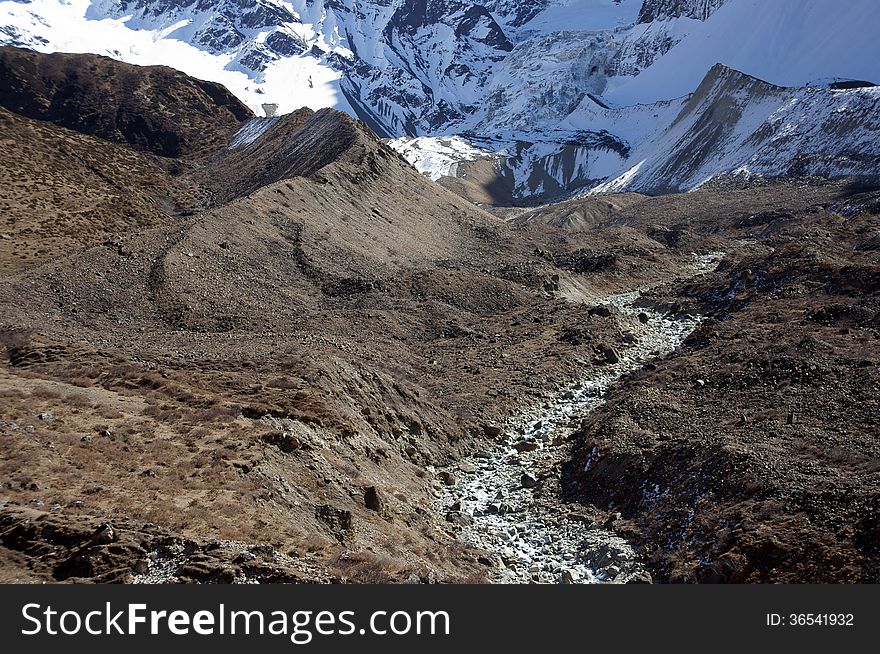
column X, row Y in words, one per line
column 497, row 503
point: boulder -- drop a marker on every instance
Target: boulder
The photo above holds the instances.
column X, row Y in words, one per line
column 374, row 501
column 528, row 481
column 104, row 534
column 244, row 557
column 459, row 518
column 570, row 577
column 338, row 520
column 609, row 354
column 447, row 478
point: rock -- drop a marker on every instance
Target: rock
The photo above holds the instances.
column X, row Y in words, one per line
column 104, row 534
column 641, row 578
column 149, row 473
column 86, row 439
column 609, row 354
column 612, row 571
column 525, row 446
column 284, row 441
column 105, row 433
column 492, row 431
column 528, row 481
column 141, row 566
column 447, row 478
column 338, row 520
column 551, row 283
column 244, row 557
column 467, row 468
column 458, row 518
column 643, row 317
column 569, row 577
column 602, row 311
column 374, row 501
column 266, row 551
column 490, row 561
column 614, row 517
column 45, row 417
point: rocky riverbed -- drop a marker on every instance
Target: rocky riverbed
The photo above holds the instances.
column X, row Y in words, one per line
column 506, row 500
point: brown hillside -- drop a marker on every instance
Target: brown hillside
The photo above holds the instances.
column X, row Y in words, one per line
column 154, row 109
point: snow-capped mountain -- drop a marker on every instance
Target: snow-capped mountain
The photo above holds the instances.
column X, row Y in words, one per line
column 737, row 125
column 407, row 68
column 561, row 94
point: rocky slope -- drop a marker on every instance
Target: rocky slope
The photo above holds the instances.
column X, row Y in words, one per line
column 157, row 110
column 272, row 359
column 736, row 125
column 284, row 355
column 751, row 454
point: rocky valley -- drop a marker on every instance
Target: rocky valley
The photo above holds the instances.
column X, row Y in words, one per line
column 443, row 334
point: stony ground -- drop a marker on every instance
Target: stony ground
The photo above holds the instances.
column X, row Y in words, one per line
column 751, row 455
column 506, row 500
column 299, row 360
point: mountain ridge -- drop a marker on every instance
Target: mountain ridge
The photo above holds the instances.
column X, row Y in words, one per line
column 517, row 78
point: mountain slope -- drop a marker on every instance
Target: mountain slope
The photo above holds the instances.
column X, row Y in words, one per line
column 784, row 43
column 736, row 124
column 404, row 68
column 158, row 110
column 62, row 190
column 254, row 367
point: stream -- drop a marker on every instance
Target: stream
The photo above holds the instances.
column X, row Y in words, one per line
column 496, row 501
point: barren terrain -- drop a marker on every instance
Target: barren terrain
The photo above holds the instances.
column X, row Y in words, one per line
column 271, row 361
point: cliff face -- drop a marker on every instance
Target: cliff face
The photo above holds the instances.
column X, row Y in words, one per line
column 665, row 9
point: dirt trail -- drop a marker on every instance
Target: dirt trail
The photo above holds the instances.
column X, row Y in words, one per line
column 501, row 499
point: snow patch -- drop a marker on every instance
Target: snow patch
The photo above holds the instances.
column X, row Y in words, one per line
column 437, row 157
